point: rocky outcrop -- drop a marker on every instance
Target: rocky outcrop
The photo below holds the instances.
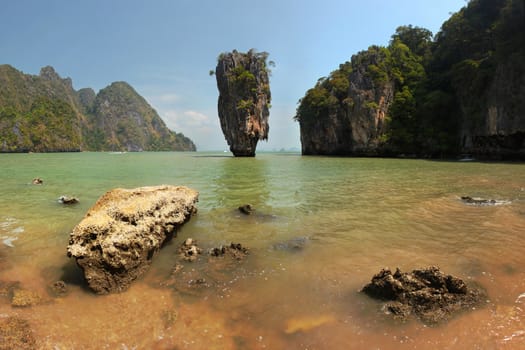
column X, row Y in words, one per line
column 118, row 237
column 345, row 114
column 428, row 294
column 244, row 98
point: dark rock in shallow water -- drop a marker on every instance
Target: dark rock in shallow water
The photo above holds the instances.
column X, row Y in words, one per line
column 292, row 245
column 234, row 250
column 58, row 289
column 195, row 276
column 482, row 202
column 246, row 209
column 428, row 294
column 67, row 200
column 116, row 241
column 189, row 250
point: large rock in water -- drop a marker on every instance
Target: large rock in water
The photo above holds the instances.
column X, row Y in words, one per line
column 244, row 98
column 347, row 113
column 428, row 294
column 118, row 237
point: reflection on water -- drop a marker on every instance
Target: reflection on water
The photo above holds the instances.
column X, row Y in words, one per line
column 323, row 227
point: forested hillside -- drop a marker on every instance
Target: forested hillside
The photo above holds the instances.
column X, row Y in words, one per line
column 45, row 114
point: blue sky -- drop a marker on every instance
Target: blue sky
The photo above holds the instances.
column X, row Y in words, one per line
column 165, row 49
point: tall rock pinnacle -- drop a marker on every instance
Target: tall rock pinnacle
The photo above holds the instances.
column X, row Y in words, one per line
column 244, row 99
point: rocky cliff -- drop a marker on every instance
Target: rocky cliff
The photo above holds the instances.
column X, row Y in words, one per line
column 244, row 99
column 45, row 114
column 345, row 114
column 461, row 91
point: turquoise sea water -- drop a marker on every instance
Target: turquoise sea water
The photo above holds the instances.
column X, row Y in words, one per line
column 351, row 217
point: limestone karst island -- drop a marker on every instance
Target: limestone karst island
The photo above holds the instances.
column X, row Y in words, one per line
column 244, row 99
column 43, row 113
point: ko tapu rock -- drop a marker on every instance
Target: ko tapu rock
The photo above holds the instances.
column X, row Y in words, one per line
column 119, row 236
column 244, row 99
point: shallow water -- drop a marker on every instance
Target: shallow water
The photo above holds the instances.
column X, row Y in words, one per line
column 352, row 216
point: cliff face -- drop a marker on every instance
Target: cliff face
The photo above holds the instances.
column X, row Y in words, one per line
column 45, row 114
column 498, row 131
column 244, row 98
column 346, row 113
column 462, row 91
column 488, row 76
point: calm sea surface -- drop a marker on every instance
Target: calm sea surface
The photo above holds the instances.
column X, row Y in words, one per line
column 322, row 228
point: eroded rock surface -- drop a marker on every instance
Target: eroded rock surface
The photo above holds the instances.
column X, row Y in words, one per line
column 244, row 99
column 428, row 294
column 118, row 237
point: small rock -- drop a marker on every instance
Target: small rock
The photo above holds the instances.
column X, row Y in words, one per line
column 189, row 250
column 67, row 200
column 246, row 209
column 482, row 201
column 58, row 289
column 234, row 250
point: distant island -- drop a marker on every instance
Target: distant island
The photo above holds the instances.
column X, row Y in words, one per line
column 460, row 92
column 43, row 113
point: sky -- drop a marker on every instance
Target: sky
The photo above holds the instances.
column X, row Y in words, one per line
column 166, row 48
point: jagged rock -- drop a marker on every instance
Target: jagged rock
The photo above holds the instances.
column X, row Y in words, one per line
column 67, row 200
column 244, row 98
column 118, row 237
column 428, row 294
column 234, row 250
column 189, row 250
column 482, row 201
column 205, row 276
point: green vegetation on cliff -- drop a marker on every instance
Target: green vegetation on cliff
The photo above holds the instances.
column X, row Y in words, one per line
column 45, row 114
column 244, row 99
column 461, row 91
